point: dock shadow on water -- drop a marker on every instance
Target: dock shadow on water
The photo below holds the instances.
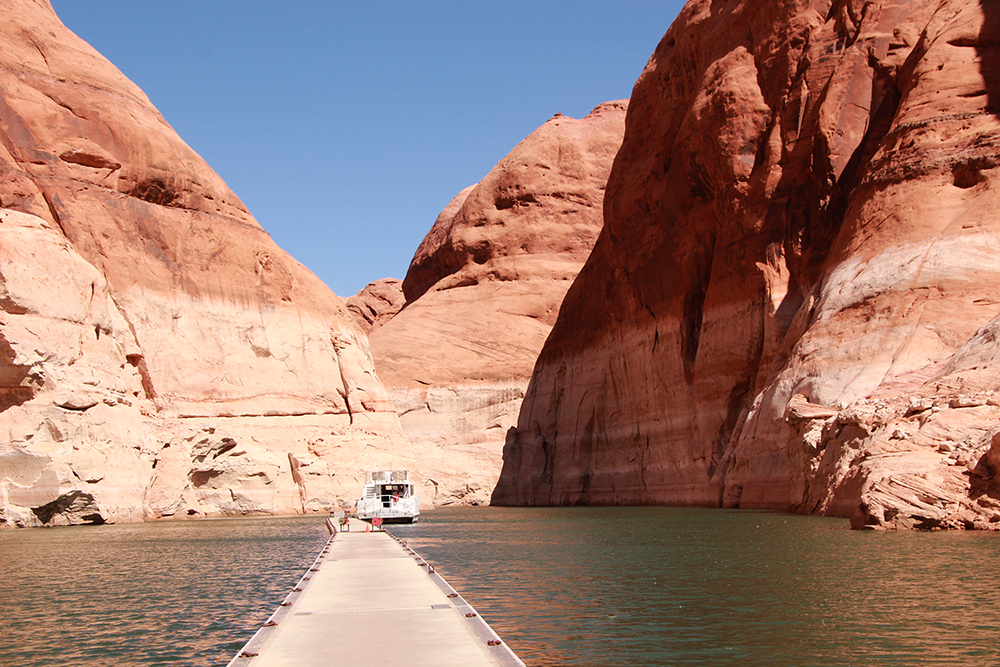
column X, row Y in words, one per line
column 173, row 593
column 660, row 586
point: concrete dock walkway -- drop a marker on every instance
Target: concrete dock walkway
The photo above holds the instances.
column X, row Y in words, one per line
column 370, row 600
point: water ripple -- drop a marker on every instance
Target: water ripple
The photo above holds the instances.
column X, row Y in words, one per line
column 563, row 586
column 178, row 593
column 660, row 586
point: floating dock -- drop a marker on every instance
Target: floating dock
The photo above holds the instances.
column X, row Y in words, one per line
column 368, row 600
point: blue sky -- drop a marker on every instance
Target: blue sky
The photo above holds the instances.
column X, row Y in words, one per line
column 345, row 127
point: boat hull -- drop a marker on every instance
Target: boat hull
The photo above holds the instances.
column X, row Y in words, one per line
column 393, row 519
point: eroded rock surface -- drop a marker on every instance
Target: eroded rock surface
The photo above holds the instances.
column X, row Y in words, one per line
column 481, row 295
column 159, row 354
column 377, row 303
column 791, row 302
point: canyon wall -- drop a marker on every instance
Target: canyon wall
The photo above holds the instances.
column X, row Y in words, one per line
column 159, row 354
column 455, row 343
column 792, row 303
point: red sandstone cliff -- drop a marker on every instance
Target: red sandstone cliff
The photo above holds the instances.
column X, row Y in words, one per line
column 159, row 354
column 791, row 304
column 481, row 295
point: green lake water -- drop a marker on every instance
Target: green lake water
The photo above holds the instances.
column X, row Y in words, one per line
column 661, row 586
column 562, row 586
column 169, row 593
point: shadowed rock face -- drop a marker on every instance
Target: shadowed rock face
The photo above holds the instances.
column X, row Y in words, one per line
column 159, row 354
column 791, row 304
column 481, row 295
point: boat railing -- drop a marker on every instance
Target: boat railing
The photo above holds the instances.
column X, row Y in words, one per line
column 387, row 476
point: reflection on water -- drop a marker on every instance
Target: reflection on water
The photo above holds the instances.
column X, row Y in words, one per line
column 659, row 586
column 563, row 586
column 178, row 593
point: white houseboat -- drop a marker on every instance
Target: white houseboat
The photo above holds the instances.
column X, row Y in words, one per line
column 389, row 495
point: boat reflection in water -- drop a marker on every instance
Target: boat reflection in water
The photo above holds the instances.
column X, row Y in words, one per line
column 389, row 496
